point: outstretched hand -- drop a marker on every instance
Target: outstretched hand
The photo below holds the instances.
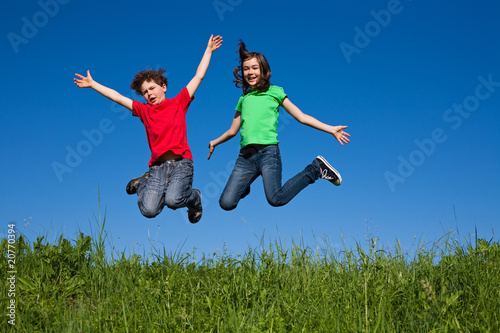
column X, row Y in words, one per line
column 83, row 82
column 214, row 42
column 341, row 136
column 211, row 146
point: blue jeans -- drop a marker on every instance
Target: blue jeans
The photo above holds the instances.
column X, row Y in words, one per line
column 169, row 184
column 264, row 161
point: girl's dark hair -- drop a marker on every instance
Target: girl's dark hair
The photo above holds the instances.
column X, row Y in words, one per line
column 148, row 75
column 265, row 70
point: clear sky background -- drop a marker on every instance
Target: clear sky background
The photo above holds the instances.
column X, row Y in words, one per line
column 417, row 82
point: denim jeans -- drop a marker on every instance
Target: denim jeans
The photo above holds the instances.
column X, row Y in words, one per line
column 169, row 184
column 265, row 162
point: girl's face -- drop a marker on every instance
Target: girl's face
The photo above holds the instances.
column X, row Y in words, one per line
column 153, row 93
column 251, row 71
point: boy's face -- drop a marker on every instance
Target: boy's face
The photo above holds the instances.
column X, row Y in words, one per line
column 153, row 93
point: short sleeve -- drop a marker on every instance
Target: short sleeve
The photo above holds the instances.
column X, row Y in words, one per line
column 240, row 101
column 278, row 93
column 184, row 99
column 138, row 108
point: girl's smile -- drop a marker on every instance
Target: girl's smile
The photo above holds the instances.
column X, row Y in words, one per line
column 251, row 71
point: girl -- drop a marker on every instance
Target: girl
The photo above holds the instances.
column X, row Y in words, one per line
column 257, row 117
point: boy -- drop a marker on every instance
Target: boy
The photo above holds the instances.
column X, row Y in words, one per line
column 170, row 177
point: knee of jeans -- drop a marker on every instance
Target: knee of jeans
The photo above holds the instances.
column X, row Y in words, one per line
column 148, row 210
column 174, row 202
column 226, row 205
column 275, row 203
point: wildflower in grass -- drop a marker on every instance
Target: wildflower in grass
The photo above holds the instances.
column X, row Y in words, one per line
column 431, row 295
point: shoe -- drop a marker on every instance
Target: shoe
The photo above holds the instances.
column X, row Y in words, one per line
column 134, row 183
column 195, row 213
column 328, row 172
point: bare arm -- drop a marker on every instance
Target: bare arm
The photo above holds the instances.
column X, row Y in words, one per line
column 213, row 44
column 88, row 82
column 337, row 131
column 228, row 135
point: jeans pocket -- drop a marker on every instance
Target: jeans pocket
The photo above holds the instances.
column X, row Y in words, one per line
column 186, row 167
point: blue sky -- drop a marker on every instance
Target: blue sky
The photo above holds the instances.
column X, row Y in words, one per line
column 417, row 82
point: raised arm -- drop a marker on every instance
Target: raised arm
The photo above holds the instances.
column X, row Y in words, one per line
column 337, row 131
column 88, row 82
column 213, row 44
column 229, row 134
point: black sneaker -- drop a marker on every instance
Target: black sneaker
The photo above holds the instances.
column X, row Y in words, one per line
column 195, row 213
column 134, row 183
column 328, row 172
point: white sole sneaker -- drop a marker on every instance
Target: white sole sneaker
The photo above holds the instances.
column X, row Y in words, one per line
column 328, row 172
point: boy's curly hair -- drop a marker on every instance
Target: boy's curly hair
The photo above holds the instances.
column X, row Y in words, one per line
column 148, row 75
column 265, row 70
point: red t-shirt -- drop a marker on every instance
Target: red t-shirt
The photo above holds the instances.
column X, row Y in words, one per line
column 165, row 125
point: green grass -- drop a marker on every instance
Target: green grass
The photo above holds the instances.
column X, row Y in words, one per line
column 75, row 286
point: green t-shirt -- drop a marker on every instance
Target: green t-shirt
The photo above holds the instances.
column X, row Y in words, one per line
column 259, row 116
